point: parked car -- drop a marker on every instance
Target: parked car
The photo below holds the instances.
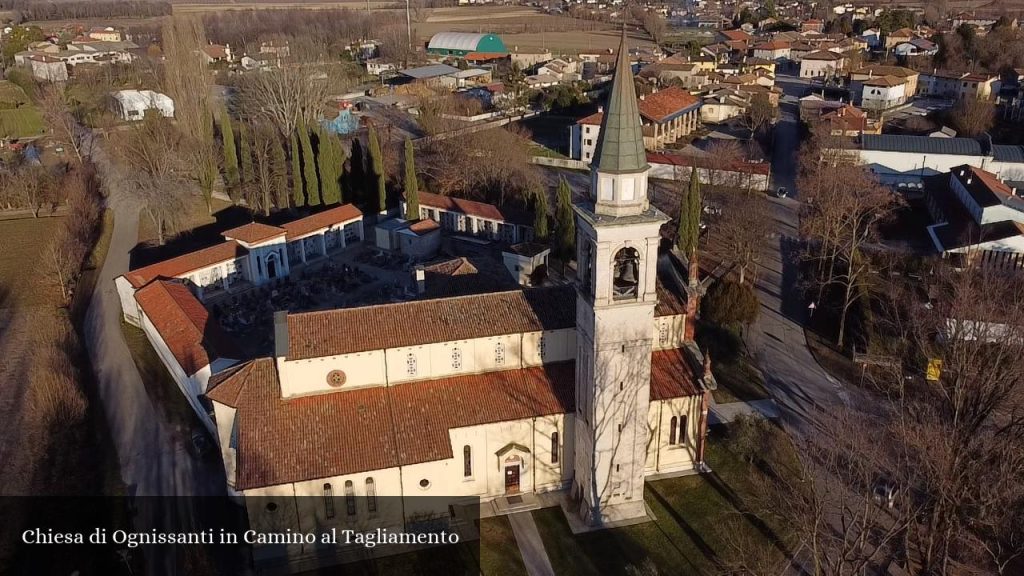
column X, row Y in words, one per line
column 781, row 192
column 885, row 493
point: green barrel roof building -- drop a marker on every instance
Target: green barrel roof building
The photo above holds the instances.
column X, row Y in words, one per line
column 462, row 43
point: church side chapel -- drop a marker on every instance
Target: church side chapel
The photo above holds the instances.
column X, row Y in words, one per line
column 579, row 391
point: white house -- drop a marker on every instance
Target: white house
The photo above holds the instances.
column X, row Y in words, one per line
column 883, row 93
column 821, row 64
column 978, row 218
column 133, row 104
column 900, row 154
column 477, row 219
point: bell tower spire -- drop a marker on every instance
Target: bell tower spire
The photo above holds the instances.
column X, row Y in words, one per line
column 617, row 239
column 619, row 169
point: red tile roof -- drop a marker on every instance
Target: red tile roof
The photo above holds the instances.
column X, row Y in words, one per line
column 594, row 119
column 348, row 432
column 177, row 267
column 332, row 332
column 185, row 325
column 422, row 227
column 473, row 208
column 773, row 45
column 664, row 103
column 736, row 34
column 254, row 232
column 321, row 220
column 485, row 56
column 762, row 168
column 823, row 55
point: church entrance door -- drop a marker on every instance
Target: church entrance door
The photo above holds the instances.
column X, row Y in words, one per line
column 512, row 479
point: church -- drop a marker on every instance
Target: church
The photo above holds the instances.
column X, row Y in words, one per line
column 583, row 390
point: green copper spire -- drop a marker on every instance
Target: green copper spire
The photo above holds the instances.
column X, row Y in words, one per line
column 620, row 146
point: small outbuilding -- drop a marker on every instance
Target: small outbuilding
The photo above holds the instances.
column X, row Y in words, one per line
column 133, row 104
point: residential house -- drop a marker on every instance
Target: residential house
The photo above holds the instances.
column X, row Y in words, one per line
column 896, row 37
column 529, row 58
column 821, row 64
column 979, row 219
column 80, row 52
column 812, row 25
column 901, row 154
column 105, row 34
column 667, row 115
column 213, row 53
column 797, row 50
column 724, row 104
column 850, row 121
column 872, row 37
column 957, row 85
column 883, row 93
column 916, row 47
column 775, row 50
column 47, row 68
column 871, row 71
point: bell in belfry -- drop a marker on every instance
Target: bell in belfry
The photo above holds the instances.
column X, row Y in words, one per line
column 629, row 272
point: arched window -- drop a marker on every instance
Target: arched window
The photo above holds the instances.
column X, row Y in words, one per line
column 456, row 359
column 350, row 498
column 410, row 364
column 371, row 496
column 499, row 354
column 554, row 447
column 626, row 272
column 467, row 461
column 328, row 501
column 682, row 429
column 672, row 430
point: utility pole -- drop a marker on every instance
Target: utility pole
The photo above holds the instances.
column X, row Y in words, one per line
column 408, row 23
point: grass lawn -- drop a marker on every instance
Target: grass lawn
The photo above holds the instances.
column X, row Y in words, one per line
column 496, row 554
column 695, row 517
column 198, row 216
column 832, row 360
column 738, row 381
column 91, row 269
column 21, row 259
column 21, row 122
column 160, row 386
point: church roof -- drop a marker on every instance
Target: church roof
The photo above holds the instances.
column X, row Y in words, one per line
column 185, row 325
column 332, row 333
column 620, row 146
column 347, row 432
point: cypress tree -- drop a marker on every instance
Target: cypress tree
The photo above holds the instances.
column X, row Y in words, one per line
column 298, row 198
column 377, row 175
column 278, row 169
column 689, row 216
column 312, row 186
column 540, row 214
column 330, row 158
column 412, row 187
column 245, row 150
column 230, row 154
column 357, row 173
column 566, row 241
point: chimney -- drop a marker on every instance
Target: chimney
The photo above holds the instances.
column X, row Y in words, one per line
column 642, row 96
column 600, row 109
column 707, row 365
column 281, row 334
column 421, row 279
column 970, row 179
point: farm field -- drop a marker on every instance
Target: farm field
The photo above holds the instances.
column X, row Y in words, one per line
column 200, row 7
column 24, row 240
column 525, row 28
column 19, row 118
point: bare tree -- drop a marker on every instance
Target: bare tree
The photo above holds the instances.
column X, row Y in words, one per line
column 64, row 129
column 32, row 187
column 283, row 97
column 974, row 116
column 185, row 76
column 156, row 171
column 738, row 232
column 268, row 186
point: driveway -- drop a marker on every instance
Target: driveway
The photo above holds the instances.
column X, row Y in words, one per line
column 150, row 450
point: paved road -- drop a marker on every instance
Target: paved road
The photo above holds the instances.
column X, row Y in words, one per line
column 797, row 383
column 150, row 450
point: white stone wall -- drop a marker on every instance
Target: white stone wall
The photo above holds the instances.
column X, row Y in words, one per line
column 663, row 456
column 428, row 361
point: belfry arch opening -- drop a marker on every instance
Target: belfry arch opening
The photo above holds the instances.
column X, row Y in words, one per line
column 626, row 277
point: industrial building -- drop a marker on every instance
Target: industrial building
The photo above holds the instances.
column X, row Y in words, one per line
column 462, row 44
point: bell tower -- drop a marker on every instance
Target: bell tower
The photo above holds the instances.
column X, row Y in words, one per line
column 617, row 250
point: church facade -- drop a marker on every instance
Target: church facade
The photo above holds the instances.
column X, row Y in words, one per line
column 588, row 389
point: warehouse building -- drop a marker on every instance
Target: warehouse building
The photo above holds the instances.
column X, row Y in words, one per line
column 462, row 43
